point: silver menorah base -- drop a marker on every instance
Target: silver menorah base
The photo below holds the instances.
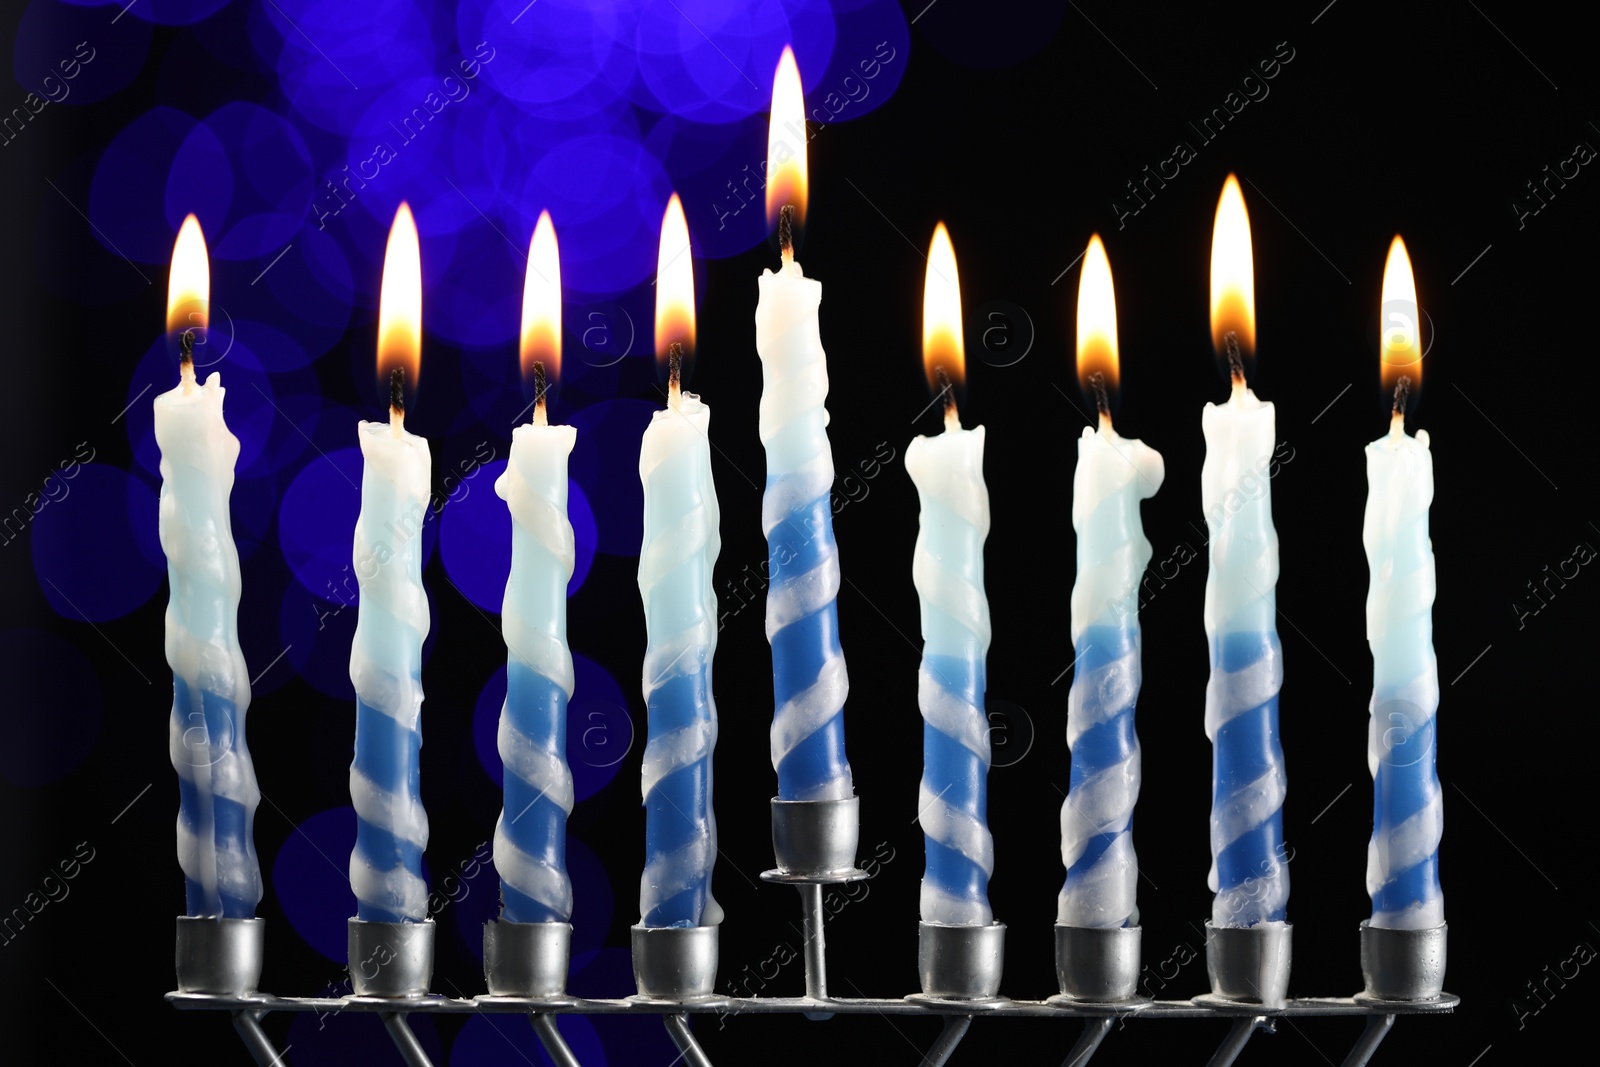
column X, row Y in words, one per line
column 1248, row 966
column 219, row 956
column 961, row 963
column 390, row 959
column 526, row 960
column 1402, row 965
column 1098, row 967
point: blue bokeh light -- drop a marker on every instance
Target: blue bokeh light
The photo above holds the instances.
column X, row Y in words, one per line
column 341, row 1038
column 127, row 199
column 43, row 746
column 506, row 1041
column 611, row 431
column 91, row 544
column 68, row 54
column 311, row 880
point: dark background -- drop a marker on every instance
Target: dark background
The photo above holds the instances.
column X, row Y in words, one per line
column 1019, row 128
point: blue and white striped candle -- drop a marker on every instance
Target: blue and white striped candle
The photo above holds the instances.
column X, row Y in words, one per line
column 1408, row 804
column 530, row 839
column 947, row 567
column 809, row 680
column 1249, row 871
column 217, row 793
column 682, row 537
column 1112, row 476
column 392, row 619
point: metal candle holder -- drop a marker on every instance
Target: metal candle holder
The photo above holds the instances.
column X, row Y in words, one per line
column 218, row 956
column 814, row 843
column 1248, row 966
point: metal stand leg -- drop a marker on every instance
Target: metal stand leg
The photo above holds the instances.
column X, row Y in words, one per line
column 404, row 1040
column 678, row 1030
column 248, row 1024
column 1238, row 1037
column 1094, row 1032
column 1377, row 1029
column 816, row 951
column 553, row 1042
column 955, row 1028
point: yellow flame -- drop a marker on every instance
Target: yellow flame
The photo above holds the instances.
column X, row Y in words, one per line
column 786, row 142
column 1233, row 285
column 1097, row 317
column 1400, row 332
column 400, row 301
column 541, row 302
column 674, row 283
column 942, row 345
column 189, row 283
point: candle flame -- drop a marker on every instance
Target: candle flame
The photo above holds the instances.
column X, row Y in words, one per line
column 1400, row 332
column 786, row 142
column 400, row 301
column 943, row 351
column 674, row 283
column 189, row 283
column 1233, row 287
column 541, row 302
column 1097, row 324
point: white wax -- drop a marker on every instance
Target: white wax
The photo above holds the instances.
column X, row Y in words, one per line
column 1236, row 495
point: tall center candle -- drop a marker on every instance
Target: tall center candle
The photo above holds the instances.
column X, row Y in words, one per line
column 1112, row 476
column 1408, row 803
column 217, row 793
column 682, row 537
column 530, row 839
column 393, row 617
column 1249, row 869
column 947, row 566
column 808, row 670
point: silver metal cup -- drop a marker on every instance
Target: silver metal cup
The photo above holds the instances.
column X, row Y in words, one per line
column 220, row 957
column 1403, row 965
column 1249, row 965
column 816, row 839
column 961, row 962
column 526, row 960
column 675, row 962
column 390, row 959
column 1098, row 965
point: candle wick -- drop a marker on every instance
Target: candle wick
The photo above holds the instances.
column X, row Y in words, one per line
column 1102, row 402
column 786, row 233
column 540, row 417
column 186, row 360
column 397, row 400
column 952, row 418
column 674, row 376
column 1230, row 344
column 1402, row 394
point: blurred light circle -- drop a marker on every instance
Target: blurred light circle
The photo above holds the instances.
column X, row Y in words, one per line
column 713, row 60
column 869, row 60
column 175, row 12
column 368, row 45
column 311, row 880
column 606, row 470
column 273, row 187
column 50, row 674
column 559, row 59
column 200, row 182
column 317, row 520
column 96, row 550
column 127, row 199
column 599, row 731
column 67, row 54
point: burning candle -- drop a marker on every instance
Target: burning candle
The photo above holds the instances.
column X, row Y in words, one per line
column 1113, row 475
column 392, row 620
column 1248, row 874
column 681, row 542
column 808, row 670
column 530, row 840
column 217, row 793
column 1408, row 806
column 947, row 566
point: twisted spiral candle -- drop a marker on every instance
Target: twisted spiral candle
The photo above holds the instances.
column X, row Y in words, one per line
column 681, row 542
column 1408, row 816
column 947, row 567
column 210, row 686
column 1248, row 875
column 530, row 839
column 1112, row 476
column 809, row 680
column 386, row 669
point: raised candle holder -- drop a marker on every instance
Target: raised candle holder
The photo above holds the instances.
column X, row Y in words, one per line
column 1248, row 966
column 527, row 960
column 1402, row 966
column 390, row 959
column 1098, row 967
column 814, row 843
column 220, row 957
